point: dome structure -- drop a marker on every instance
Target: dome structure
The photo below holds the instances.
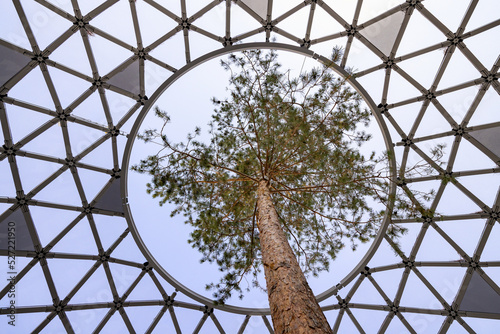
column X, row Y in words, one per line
column 77, row 78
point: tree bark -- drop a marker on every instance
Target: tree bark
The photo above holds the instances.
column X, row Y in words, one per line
column 294, row 308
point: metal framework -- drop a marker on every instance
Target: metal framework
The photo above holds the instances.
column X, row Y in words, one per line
column 381, row 294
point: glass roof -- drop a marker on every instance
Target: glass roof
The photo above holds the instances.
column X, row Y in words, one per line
column 77, row 79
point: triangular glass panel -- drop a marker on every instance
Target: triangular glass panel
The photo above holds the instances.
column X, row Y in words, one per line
column 419, row 33
column 345, row 9
column 81, row 136
column 388, row 280
column 414, row 67
column 11, row 62
column 62, row 190
column 12, row 29
column 91, row 109
column 490, row 138
column 480, row 296
column 373, row 82
column 422, row 299
column 492, row 247
column 242, row 22
column 127, row 249
column 428, row 147
column 79, row 240
column 64, row 5
column 396, row 326
column 55, row 326
column 212, row 21
column 111, row 199
column 483, row 47
column 25, row 322
column 119, row 105
column 32, row 289
column 208, row 327
column 483, row 325
column 85, row 321
column 14, row 228
column 110, row 229
column 371, row 9
column 232, row 323
column 458, row 70
column 153, row 23
column 369, row 320
column 49, row 143
column 458, row 103
column 446, row 281
column 400, row 89
column 6, row 181
column 72, row 54
column 441, row 11
column 296, row 24
column 127, row 78
column 187, row 319
column 154, row 76
column 166, row 323
column 346, row 325
column 115, row 324
column 142, row 317
column 425, row 188
column 45, row 24
column 200, row 45
column 32, row 177
column 101, row 156
column 193, row 7
column 18, row 120
column 465, row 233
column 108, row 55
column 33, row 89
column 484, row 12
column 123, row 276
column 172, row 6
column 383, row 33
column 280, row 7
column 493, row 272
column 485, row 186
column 483, row 114
column 145, row 290
column 95, row 290
column 469, row 157
column 50, row 222
column 384, row 255
column 454, row 202
column 325, row 48
column 123, row 28
column 424, row 323
column 89, row 5
column 172, row 51
column 258, row 6
column 362, row 58
column 367, row 294
column 405, row 117
column 66, row 273
column 92, row 181
column 406, row 241
column 457, row 328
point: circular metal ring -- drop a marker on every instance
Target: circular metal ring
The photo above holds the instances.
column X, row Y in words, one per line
column 188, row 67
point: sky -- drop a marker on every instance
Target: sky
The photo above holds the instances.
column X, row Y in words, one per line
column 189, row 98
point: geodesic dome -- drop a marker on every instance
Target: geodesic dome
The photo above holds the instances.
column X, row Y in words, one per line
column 78, row 77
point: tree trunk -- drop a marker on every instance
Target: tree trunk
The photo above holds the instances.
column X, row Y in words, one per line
column 294, row 308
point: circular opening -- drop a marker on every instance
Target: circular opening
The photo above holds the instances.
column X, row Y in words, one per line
column 188, row 103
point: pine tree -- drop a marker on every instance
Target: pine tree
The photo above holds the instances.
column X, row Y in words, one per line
column 280, row 185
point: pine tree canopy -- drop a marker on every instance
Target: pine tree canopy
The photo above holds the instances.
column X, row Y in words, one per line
column 302, row 135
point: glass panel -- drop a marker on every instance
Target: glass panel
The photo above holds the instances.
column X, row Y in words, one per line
column 480, row 296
